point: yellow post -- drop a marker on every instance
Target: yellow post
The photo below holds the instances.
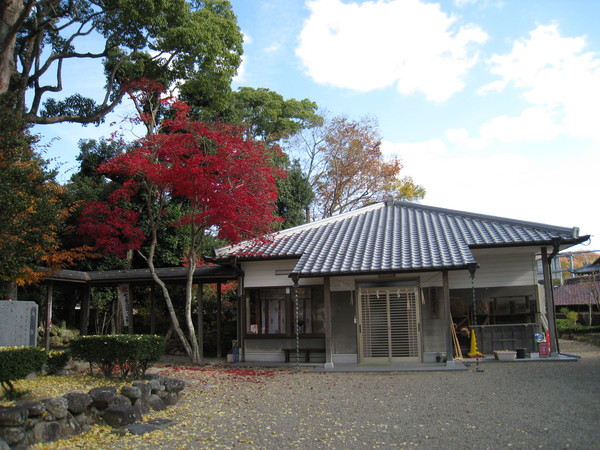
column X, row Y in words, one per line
column 474, row 353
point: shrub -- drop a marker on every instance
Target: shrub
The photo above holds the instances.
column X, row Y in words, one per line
column 17, row 363
column 57, row 361
column 127, row 353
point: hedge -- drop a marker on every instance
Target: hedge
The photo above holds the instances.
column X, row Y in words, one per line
column 18, row 362
column 126, row 353
column 577, row 329
column 57, row 361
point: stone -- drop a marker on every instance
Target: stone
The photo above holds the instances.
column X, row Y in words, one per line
column 120, row 400
column 154, row 385
column 58, row 407
column 12, row 435
column 174, row 385
column 102, row 396
column 78, row 402
column 141, row 406
column 161, row 423
column 82, row 419
column 31, row 422
column 118, row 416
column 46, row 432
column 34, row 409
column 132, row 392
column 69, row 426
column 156, row 403
column 140, row 428
column 170, row 398
column 145, row 388
column 12, row 416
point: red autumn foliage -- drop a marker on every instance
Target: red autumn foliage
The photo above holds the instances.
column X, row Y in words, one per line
column 226, row 180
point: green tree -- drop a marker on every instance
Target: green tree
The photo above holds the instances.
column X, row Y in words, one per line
column 162, row 40
column 32, row 209
column 294, row 196
column 265, row 113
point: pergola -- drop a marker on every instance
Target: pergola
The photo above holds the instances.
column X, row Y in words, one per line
column 217, row 274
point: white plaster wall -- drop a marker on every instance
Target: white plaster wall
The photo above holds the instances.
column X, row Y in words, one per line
column 498, row 268
column 262, row 274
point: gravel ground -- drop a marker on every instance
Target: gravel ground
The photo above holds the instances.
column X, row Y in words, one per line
column 509, row 404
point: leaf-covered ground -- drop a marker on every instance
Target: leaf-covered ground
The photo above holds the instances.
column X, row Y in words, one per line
column 523, row 405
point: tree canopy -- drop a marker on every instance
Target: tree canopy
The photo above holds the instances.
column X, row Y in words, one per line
column 222, row 182
column 343, row 162
column 162, row 40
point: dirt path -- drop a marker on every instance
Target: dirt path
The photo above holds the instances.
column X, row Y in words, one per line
column 522, row 405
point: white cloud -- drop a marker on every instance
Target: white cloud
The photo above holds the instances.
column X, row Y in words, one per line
column 502, row 184
column 273, row 47
column 535, row 124
column 404, row 43
column 560, row 81
column 461, row 139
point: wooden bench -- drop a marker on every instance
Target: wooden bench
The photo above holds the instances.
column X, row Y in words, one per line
column 306, row 351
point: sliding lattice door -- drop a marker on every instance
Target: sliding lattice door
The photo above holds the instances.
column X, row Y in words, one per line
column 389, row 324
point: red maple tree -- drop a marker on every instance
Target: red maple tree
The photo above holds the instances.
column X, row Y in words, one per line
column 224, row 182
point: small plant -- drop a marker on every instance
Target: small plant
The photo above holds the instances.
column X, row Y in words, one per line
column 17, row 363
column 571, row 316
column 125, row 354
column 57, row 361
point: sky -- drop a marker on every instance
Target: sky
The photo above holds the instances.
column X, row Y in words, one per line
column 492, row 106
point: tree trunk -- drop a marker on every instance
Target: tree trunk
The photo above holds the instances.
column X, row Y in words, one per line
column 11, row 14
column 189, row 294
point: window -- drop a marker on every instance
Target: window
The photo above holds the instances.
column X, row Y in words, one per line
column 271, row 311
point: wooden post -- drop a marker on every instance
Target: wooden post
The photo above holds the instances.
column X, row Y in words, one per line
column 49, row 292
column 201, row 321
column 84, row 319
column 328, row 322
column 219, row 337
column 448, row 316
column 549, row 300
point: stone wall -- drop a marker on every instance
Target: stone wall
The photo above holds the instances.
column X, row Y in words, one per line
column 48, row 420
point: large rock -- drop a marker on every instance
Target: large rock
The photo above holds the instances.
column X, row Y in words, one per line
column 69, row 426
column 12, row 435
column 78, row 402
column 170, row 398
column 120, row 400
column 132, row 392
column 141, row 406
column 103, row 396
column 34, row 409
column 156, row 403
column 145, row 388
column 46, row 432
column 58, row 407
column 117, row 416
column 174, row 385
column 12, row 416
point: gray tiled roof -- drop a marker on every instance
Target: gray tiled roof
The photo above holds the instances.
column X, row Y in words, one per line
column 394, row 237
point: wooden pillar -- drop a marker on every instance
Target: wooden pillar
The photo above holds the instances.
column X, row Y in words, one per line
column 219, row 337
column 548, row 293
column 448, row 316
column 84, row 319
column 49, row 292
column 153, row 310
column 328, row 322
column 241, row 318
column 201, row 321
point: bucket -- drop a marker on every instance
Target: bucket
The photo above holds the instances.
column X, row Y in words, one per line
column 521, row 353
column 544, row 348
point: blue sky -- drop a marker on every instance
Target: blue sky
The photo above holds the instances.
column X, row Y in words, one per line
column 493, row 106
